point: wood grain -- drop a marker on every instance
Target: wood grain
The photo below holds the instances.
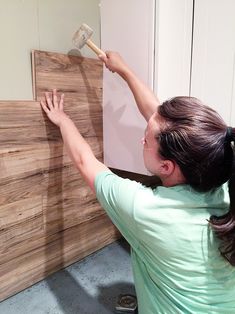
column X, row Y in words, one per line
column 48, row 216
column 17, row 124
column 59, row 251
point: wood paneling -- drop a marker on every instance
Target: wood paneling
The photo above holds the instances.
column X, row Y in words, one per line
column 55, row 252
column 48, row 216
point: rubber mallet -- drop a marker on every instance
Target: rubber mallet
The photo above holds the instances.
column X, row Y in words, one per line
column 82, row 38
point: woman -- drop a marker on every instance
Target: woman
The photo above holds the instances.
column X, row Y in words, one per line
column 182, row 233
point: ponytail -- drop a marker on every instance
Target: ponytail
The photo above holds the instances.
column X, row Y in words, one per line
column 224, row 226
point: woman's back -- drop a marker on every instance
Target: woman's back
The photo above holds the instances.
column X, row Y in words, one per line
column 178, row 252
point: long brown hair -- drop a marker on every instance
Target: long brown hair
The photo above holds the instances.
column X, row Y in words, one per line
column 199, row 141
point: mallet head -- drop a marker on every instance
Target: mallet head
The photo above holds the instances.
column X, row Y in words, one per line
column 82, row 35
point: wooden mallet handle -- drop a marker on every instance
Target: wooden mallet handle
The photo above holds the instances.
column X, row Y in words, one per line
column 96, row 49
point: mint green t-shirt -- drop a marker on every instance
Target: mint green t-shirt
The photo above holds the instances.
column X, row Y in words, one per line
column 176, row 263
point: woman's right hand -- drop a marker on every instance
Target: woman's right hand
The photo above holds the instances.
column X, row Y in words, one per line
column 114, row 62
column 53, row 107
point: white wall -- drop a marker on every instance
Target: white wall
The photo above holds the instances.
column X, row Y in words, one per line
column 39, row 24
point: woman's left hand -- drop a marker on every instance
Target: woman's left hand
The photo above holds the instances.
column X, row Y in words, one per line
column 54, row 107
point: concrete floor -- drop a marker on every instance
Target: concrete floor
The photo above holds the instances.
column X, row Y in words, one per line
column 90, row 286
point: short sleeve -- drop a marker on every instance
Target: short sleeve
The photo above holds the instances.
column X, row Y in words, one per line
column 117, row 196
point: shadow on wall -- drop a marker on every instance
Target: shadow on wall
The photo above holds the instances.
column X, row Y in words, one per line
column 94, row 96
column 74, row 52
column 53, row 208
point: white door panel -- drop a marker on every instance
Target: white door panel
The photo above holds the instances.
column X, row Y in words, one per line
column 127, row 26
column 173, row 42
column 213, row 67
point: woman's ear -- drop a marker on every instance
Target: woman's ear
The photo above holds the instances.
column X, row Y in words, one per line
column 167, row 168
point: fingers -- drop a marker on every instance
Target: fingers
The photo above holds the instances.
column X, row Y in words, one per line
column 112, row 54
column 112, row 60
column 48, row 101
column 103, row 58
column 54, row 98
column 61, row 103
column 51, row 103
column 109, row 53
column 44, row 107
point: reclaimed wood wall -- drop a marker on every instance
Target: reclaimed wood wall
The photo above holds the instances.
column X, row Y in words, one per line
column 48, row 217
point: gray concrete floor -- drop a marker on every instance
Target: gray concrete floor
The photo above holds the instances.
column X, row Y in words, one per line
column 90, row 286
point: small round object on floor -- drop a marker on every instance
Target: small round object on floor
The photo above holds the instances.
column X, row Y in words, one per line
column 126, row 303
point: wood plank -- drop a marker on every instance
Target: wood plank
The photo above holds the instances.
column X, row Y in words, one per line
column 19, row 162
column 51, row 180
column 67, row 247
column 80, row 79
column 65, row 202
column 21, row 118
column 19, row 220
column 72, row 207
column 76, row 75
